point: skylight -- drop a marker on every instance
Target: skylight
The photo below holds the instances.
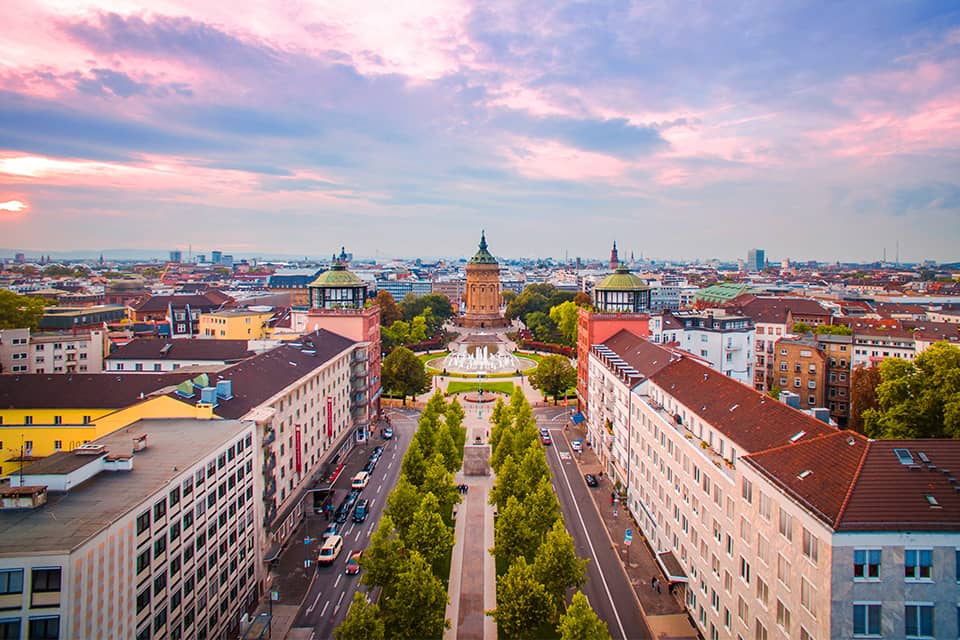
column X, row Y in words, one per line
column 903, row 455
column 797, row 436
column 933, row 501
column 803, row 474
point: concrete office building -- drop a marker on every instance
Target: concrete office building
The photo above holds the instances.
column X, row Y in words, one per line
column 170, row 551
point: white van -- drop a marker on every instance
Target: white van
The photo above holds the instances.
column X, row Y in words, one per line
column 330, row 550
column 360, row 480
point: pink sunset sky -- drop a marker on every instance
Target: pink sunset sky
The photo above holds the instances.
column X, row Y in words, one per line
column 815, row 130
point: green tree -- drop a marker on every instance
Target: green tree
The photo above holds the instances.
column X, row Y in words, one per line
column 508, row 296
column 512, row 536
column 522, row 602
column 833, row 329
column 503, row 450
column 454, row 418
column 418, row 329
column 430, row 536
column 416, row 609
column 582, row 299
column 533, row 469
column 19, row 312
column 440, row 310
column 381, row 561
column 446, row 447
column 402, row 503
column 580, row 622
column 542, row 512
column 396, row 335
column 554, row 376
column 506, row 484
column 863, row 394
column 414, row 465
column 438, row 481
column 801, row 327
column 557, row 567
column 362, row 622
column 403, row 373
column 919, row 399
column 564, row 316
column 540, row 325
column 389, row 311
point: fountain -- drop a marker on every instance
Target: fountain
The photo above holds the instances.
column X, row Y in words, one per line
column 482, row 354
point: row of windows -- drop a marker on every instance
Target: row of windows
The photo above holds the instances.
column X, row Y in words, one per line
column 42, row 580
column 38, row 628
column 28, row 420
column 918, row 619
column 917, row 564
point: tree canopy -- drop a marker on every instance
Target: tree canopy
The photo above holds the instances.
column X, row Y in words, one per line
column 564, row 315
column 536, row 297
column 416, row 609
column 522, row 602
column 389, row 310
column 19, row 312
column 580, row 622
column 554, row 376
column 362, row 622
column 863, row 394
column 404, row 373
column 919, row 399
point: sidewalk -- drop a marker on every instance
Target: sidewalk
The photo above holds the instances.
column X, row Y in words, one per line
column 665, row 613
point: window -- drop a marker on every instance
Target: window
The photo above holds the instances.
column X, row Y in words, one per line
column 744, row 570
column 174, row 496
column 159, row 584
column 143, row 600
column 783, row 617
column 810, row 546
column 45, row 580
column 159, row 509
column 159, row 545
column 866, row 564
column 143, row 522
column 808, row 597
column 10, row 629
column 160, row 619
column 763, row 592
column 786, row 525
column 761, row 632
column 919, row 620
column 46, row 628
column 783, row 569
column 917, row 564
column 743, row 611
column 866, row 619
column 747, row 491
column 765, row 509
column 11, row 581
column 143, row 561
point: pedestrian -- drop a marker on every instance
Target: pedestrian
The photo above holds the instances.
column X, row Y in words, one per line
column 612, row 497
column 658, row 586
column 653, row 583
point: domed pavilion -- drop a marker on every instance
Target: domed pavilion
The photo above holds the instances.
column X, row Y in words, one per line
column 622, row 292
column 337, row 288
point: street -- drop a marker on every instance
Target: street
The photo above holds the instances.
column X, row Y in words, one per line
column 610, row 594
column 331, row 590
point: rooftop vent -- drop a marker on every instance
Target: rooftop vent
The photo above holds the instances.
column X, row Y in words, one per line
column 165, row 349
column 903, row 455
column 851, row 441
column 797, row 436
column 803, row 474
column 90, row 450
column 933, row 502
column 140, row 443
column 208, row 395
column 224, row 389
column 733, row 408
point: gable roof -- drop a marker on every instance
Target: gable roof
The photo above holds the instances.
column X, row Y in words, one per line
column 774, row 309
column 750, row 419
column 158, row 349
column 641, row 354
column 155, row 304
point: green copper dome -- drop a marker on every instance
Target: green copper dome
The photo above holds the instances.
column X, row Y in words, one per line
column 622, row 280
column 337, row 276
column 483, row 256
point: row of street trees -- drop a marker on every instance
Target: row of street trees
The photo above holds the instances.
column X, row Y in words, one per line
column 535, row 556
column 409, row 554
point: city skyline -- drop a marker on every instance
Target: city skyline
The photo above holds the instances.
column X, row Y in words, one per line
column 822, row 132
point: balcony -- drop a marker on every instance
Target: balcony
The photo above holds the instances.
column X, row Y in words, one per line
column 269, row 464
column 269, row 490
column 269, row 436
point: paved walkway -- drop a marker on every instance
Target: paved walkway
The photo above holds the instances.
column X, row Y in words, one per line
column 665, row 613
column 473, row 573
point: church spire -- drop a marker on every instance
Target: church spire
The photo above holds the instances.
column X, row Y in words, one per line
column 614, row 259
column 483, row 240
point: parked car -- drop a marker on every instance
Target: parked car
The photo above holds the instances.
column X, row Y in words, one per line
column 353, row 563
column 360, row 511
column 591, row 480
column 378, row 451
column 577, row 446
column 330, row 550
column 332, row 529
column 388, row 433
column 370, row 466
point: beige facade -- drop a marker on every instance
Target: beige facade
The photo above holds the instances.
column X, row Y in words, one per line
column 22, row 351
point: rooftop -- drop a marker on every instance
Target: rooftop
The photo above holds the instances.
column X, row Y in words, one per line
column 337, row 276
column 84, row 391
column 482, row 256
column 71, row 518
column 188, row 349
column 621, row 280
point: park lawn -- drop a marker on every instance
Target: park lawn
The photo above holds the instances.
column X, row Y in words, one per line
column 457, row 386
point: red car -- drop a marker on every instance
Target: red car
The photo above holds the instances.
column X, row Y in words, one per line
column 353, row 563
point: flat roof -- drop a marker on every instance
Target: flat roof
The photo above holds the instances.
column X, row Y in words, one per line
column 69, row 519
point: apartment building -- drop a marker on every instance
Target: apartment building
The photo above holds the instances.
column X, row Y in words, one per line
column 235, row 324
column 838, row 351
column 178, row 316
column 871, row 345
column 154, row 355
column 170, row 551
column 768, row 522
column 725, row 341
column 593, row 328
column 800, row 367
column 22, row 351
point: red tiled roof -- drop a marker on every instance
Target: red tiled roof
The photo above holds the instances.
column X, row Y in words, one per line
column 85, row 391
column 641, row 354
column 153, row 349
column 155, row 304
column 889, row 495
column 752, row 420
column 774, row 310
column 832, row 462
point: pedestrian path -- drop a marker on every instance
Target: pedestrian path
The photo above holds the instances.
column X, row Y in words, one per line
column 473, row 586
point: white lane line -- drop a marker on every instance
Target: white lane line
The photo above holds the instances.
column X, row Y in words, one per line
column 337, row 581
column 324, row 610
column 339, row 600
column 315, row 601
column 593, row 551
column 370, row 530
column 379, row 486
column 390, row 464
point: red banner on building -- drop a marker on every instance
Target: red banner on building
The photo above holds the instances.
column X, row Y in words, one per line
column 329, row 417
column 298, row 457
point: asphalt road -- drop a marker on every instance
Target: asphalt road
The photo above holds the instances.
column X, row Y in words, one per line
column 607, row 588
column 331, row 591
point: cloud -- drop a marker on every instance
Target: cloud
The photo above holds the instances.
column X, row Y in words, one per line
column 103, row 81
column 13, row 206
column 941, row 196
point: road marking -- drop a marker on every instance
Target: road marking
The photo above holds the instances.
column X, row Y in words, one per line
column 379, row 486
column 315, row 601
column 324, row 610
column 337, row 581
column 390, row 464
column 339, row 600
column 593, row 551
column 370, row 530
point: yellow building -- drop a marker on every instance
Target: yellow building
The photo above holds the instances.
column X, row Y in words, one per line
column 235, row 324
column 43, row 414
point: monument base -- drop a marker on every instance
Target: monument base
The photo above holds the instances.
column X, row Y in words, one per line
column 476, row 459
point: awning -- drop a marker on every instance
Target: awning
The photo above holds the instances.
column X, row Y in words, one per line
column 577, row 418
column 671, row 567
column 272, row 553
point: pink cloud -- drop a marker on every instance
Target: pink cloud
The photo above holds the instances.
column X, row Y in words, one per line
column 555, row 161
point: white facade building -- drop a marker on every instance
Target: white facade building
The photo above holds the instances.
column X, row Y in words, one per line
column 725, row 341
